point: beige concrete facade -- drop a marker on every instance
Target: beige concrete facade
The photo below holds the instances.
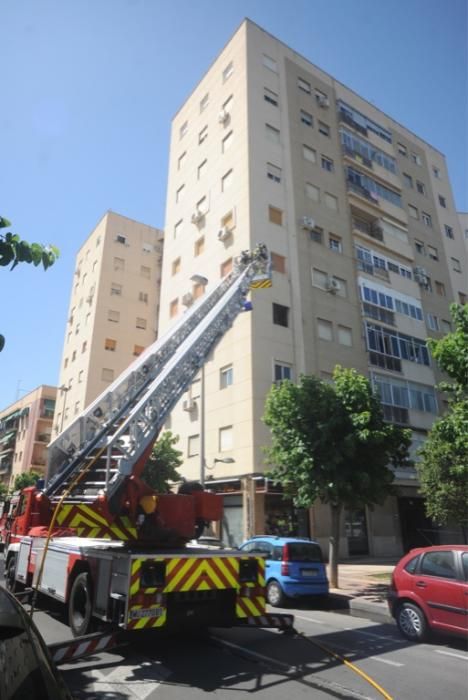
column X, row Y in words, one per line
column 113, row 313
column 359, row 215
column 25, row 431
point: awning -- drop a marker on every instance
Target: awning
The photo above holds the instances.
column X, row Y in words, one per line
column 7, row 437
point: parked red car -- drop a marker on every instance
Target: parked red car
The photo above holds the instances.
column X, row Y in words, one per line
column 429, row 592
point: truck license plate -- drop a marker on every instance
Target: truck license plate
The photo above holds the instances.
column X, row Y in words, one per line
column 146, row 612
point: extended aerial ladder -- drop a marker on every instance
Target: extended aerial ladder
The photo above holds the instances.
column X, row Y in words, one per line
column 95, row 463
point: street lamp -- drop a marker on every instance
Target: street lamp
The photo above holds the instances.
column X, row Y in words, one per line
column 224, row 460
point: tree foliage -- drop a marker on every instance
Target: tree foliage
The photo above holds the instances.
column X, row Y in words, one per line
column 25, row 479
column 14, row 250
column 3, row 491
column 330, row 442
column 161, row 467
column 443, row 469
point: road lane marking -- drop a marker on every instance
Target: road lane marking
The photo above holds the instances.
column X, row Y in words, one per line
column 376, row 636
column 309, row 619
column 450, row 653
column 385, row 661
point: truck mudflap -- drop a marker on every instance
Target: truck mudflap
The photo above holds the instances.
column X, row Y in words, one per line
column 73, row 649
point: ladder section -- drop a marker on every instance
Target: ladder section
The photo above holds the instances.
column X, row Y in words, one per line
column 118, row 427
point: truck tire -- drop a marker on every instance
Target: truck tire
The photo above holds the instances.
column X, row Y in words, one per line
column 80, row 605
column 10, row 573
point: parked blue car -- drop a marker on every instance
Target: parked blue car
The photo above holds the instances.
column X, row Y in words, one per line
column 293, row 567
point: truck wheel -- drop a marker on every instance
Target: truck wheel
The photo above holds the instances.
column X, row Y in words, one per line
column 275, row 595
column 10, row 573
column 80, row 605
column 411, row 622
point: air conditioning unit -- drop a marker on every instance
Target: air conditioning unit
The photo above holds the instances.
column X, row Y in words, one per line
column 332, row 285
column 188, row 405
column 197, row 216
column 223, row 234
column 420, row 276
column 223, row 116
column 323, row 101
column 187, row 299
column 308, row 223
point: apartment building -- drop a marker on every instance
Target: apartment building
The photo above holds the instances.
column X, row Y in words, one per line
column 25, row 431
column 367, row 254
column 113, row 312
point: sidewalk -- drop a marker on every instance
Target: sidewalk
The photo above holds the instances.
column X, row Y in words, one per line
column 363, row 587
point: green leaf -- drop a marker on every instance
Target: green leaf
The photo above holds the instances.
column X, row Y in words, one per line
column 4, row 223
column 2, row 342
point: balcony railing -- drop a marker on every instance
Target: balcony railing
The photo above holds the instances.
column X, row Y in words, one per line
column 379, row 359
column 362, row 191
column 370, row 228
column 344, row 117
column 358, row 157
column 378, row 313
column 372, row 269
column 395, row 414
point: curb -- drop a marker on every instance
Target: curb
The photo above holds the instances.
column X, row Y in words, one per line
column 360, row 606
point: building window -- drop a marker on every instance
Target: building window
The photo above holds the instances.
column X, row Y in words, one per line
column 436, row 172
column 413, row 212
column 280, row 315
column 199, row 246
column 416, row 158
column 316, row 234
column 141, row 323
column 402, row 150
column 202, row 168
column 137, row 350
column 226, row 440
column 440, row 288
column 331, row 201
column 107, row 375
column 408, row 180
column 110, row 344
column 180, row 193
column 197, row 290
column 419, row 246
column 203, row 135
column 145, row 272
column 65, row 363
column 462, row 298
column 324, row 129
column 312, row 192
column 84, row 345
column 226, row 181
column 227, row 220
column 303, row 85
column 324, row 329
column 183, row 130
column 319, row 278
column 432, row 252
column 309, row 154
column 421, row 188
column 327, row 164
column 345, row 336
column 181, row 160
column 426, row 219
column 278, row 263
column 432, row 322
column 119, row 264
column 446, row 327
column 173, row 308
column 272, row 134
column 306, row 118
column 120, row 239
column 175, row 267
column 335, row 244
column 226, row 377
column 226, row 267
column 116, row 289
column 275, row 216
column 281, row 371
column 227, row 142
column 448, row 231
column 442, row 201
column 204, row 102
column 193, row 445
column 456, row 264
column 143, row 296
column 270, row 97
column 228, row 71
column 80, row 376
column 269, row 63
column 273, row 172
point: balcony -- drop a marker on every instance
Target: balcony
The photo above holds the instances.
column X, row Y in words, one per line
column 378, row 313
column 379, row 359
column 373, row 270
column 358, row 157
column 370, row 228
column 395, row 414
column 347, row 119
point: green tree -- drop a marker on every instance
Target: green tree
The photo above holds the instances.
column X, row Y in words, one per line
column 14, row 250
column 3, row 491
column 330, row 442
column 443, row 469
column 25, row 479
column 161, row 467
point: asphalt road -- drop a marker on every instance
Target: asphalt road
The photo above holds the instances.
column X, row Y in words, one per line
column 270, row 663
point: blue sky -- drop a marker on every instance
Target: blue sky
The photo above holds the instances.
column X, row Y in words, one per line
column 88, row 90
